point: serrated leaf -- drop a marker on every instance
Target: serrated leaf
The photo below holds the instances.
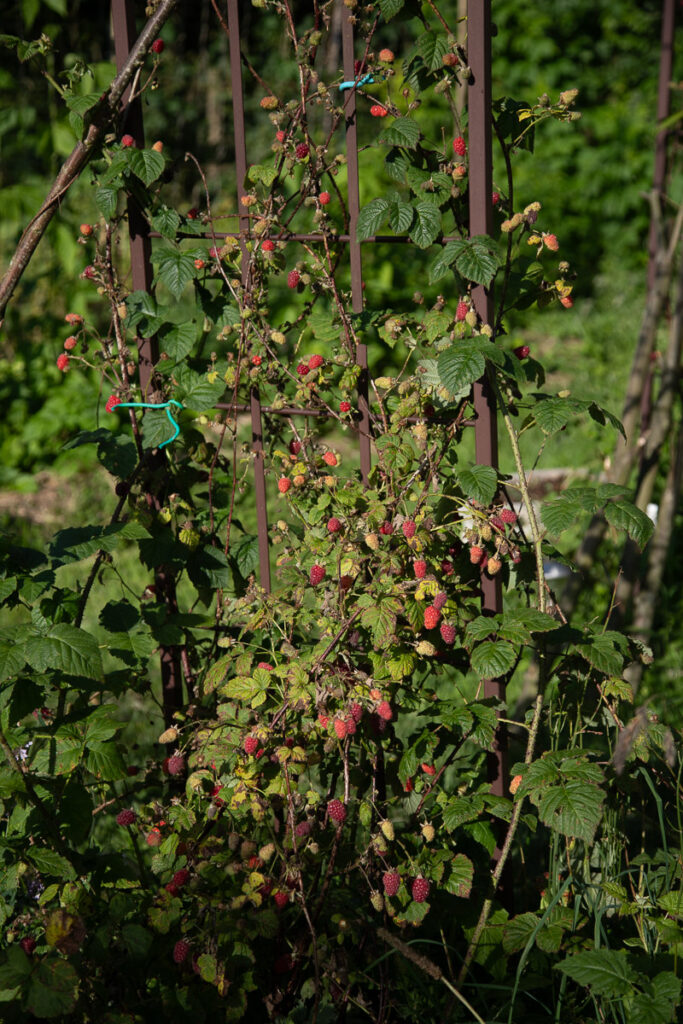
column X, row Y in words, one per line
column 196, row 392
column 459, row 810
column 174, row 269
column 436, row 322
column 246, row 556
column 432, row 46
column 79, row 542
column 216, row 673
column 624, row 515
column 479, row 482
column 66, row 649
column 177, row 340
column 606, row 971
column 105, row 762
column 166, row 221
column 427, row 225
column 602, row 652
column 12, row 660
column 572, row 808
column 460, row 879
column 136, row 939
column 371, row 217
column 390, row 8
column 492, row 658
column 560, row 514
column 658, row 1002
column 52, row 989
column 445, row 260
column 477, row 261
column 403, row 132
column 602, row 416
column 396, row 164
column 460, row 366
column 552, row 414
column 481, row 628
column 106, row 200
column 401, row 217
column 50, row 863
column 146, row 164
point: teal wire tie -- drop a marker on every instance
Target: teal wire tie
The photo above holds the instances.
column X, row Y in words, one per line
column 152, row 405
column 365, row 80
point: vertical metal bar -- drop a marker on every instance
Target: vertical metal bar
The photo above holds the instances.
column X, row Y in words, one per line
column 666, row 55
column 254, row 396
column 354, row 245
column 123, row 21
column 481, row 223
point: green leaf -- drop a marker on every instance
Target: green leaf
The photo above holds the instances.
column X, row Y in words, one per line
column 137, row 940
column 246, row 556
column 50, row 863
column 427, row 225
column 572, row 808
column 432, row 46
column 12, row 660
column 602, row 652
column 602, row 416
column 390, row 8
column 106, row 199
column 371, row 217
column 401, row 217
column 210, row 567
column 196, row 392
column 444, row 260
column 263, row 173
column 174, row 269
column 658, row 1002
column 479, row 482
column 460, row 366
column 436, row 322
column 79, row 542
column 166, row 221
column 477, row 261
column 624, row 515
column 493, row 658
column 66, row 649
column 606, row 971
column 156, row 428
column 216, row 673
column 52, row 989
column 207, row 967
column 396, row 165
column 177, row 340
column 403, row 132
column 460, row 879
column 105, row 762
column 560, row 514
column 146, row 164
column 552, row 414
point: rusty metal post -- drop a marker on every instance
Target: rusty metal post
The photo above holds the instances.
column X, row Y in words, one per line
column 353, row 198
column 254, row 396
column 123, row 21
column 481, row 223
column 666, row 56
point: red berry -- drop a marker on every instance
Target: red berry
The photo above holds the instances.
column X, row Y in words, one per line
column 345, row 582
column 340, row 728
column 386, row 56
column 333, row 524
column 408, row 786
column 337, row 811
column 377, row 110
column 323, row 720
column 63, row 362
column 192, row 214
column 317, row 574
column 446, row 567
column 74, row 319
column 303, row 829
column 420, row 889
column 86, row 230
column 408, row 529
column 112, row 402
column 214, row 253
column 293, row 278
column 522, row 351
column 330, row 459
column 476, row 554
column 447, row 633
column 391, row 880
column 125, row 818
column 432, row 616
column 440, row 600
column 256, row 360
column 420, row 568
column 28, row 945
column 181, row 878
column 280, row 136
column 154, row 837
column 283, row 484
column 302, row 151
column 356, row 710
column 268, row 245
column 508, row 516
column 324, row 198
column 386, row 529
column 567, row 301
column 295, row 447
column 344, row 407
column 302, row 369
column 281, row 899
column 180, row 951
column 265, row 665
column 462, row 310
column 384, row 710
column 158, row 46
column 250, row 745
column 459, row 147
column 170, row 887
column 315, row 361
column 428, row 769
column 176, row 764
column 127, row 141
column 495, row 198
column 199, row 264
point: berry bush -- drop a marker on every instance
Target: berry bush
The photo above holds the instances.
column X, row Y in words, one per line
column 307, row 832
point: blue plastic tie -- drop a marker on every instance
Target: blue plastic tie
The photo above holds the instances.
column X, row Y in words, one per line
column 365, row 80
column 152, row 405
